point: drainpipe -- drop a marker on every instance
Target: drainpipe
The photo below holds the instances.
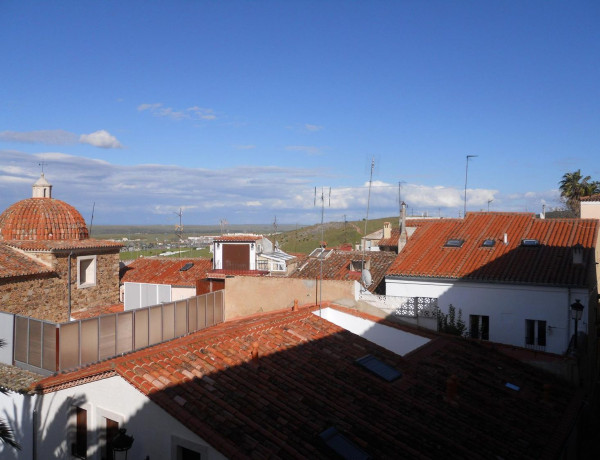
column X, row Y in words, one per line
column 69, row 284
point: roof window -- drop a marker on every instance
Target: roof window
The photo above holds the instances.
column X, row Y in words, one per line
column 530, row 242
column 488, row 243
column 374, row 365
column 186, row 267
column 342, row 445
column 454, row 243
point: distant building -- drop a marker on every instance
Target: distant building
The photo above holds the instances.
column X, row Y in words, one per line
column 590, row 207
column 49, row 266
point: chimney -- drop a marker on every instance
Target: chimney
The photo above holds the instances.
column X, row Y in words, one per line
column 387, row 230
column 295, row 307
column 543, row 214
column 402, row 239
column 506, row 238
column 255, row 353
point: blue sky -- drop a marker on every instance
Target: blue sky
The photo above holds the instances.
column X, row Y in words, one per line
column 238, row 110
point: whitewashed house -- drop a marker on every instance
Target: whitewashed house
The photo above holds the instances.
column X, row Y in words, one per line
column 513, row 277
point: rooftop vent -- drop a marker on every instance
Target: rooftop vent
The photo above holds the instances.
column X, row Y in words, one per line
column 186, row 267
column 379, row 368
column 454, row 243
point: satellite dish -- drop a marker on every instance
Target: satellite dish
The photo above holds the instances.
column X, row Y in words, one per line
column 365, row 277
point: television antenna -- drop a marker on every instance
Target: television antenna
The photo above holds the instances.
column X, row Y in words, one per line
column 322, row 243
column 365, row 274
column 179, row 229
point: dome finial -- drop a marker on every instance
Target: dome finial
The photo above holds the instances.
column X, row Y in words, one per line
column 42, row 188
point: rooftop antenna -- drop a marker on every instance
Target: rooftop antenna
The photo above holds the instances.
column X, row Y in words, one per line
column 92, row 220
column 322, row 238
column 42, row 164
column 466, row 175
column 179, row 230
column 223, row 223
column 489, row 201
column 366, row 276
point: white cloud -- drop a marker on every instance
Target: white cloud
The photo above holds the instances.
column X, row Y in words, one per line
column 47, row 136
column 102, row 139
column 193, row 113
column 309, row 150
column 310, row 127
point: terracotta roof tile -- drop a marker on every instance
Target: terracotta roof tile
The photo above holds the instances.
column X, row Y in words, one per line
column 595, row 197
column 337, row 266
column 15, row 264
column 242, row 238
column 278, row 405
column 165, row 271
column 42, row 219
column 58, row 245
column 425, row 254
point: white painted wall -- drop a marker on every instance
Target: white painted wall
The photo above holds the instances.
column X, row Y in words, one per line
column 180, row 293
column 139, row 295
column 7, row 323
column 400, row 342
column 508, row 306
column 155, row 432
column 17, row 410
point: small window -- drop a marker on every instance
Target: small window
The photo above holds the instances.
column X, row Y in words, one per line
column 183, row 453
column 489, row 243
column 186, row 267
column 454, row 243
column 530, row 242
column 79, row 447
column 535, row 333
column 86, row 271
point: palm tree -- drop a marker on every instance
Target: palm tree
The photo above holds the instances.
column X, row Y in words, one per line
column 573, row 186
column 6, row 434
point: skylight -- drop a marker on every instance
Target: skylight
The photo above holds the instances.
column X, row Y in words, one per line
column 530, row 242
column 342, row 445
column 454, row 243
column 489, row 243
column 186, row 267
column 377, row 367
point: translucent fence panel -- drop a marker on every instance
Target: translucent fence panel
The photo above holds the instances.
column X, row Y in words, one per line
column 49, row 347
column 21, row 338
column 141, row 328
column 210, row 309
column 89, row 341
column 192, row 314
column 168, row 318
column 35, row 343
column 69, row 345
column 219, row 306
column 124, row 332
column 155, row 325
column 181, row 326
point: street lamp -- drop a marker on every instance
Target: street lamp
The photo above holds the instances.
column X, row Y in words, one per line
column 576, row 312
column 466, row 176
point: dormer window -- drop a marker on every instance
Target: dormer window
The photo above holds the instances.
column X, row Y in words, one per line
column 454, row 243
column 358, row 265
column 530, row 242
column 488, row 243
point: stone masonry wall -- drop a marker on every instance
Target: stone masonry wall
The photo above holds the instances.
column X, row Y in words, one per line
column 46, row 297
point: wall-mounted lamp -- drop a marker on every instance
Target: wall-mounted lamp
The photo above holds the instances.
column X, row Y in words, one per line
column 576, row 313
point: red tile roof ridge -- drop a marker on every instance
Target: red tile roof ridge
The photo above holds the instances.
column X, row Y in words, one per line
column 69, row 379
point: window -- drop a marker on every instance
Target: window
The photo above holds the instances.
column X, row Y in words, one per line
column 535, row 333
column 182, row 449
column 183, row 453
column 377, row 367
column 111, row 430
column 530, row 242
column 489, row 243
column 86, row 271
column 454, row 243
column 79, row 447
column 479, row 327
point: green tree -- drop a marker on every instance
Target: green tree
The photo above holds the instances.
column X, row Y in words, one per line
column 574, row 186
column 451, row 323
column 6, row 434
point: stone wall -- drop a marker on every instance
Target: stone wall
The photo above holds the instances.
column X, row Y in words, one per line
column 46, row 296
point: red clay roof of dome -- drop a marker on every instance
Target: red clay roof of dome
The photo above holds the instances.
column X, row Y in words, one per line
column 42, row 219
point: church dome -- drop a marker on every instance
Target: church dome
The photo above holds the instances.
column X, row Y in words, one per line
column 42, row 218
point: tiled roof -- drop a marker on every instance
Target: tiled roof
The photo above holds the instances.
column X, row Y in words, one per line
column 42, row 219
column 14, row 264
column 392, row 241
column 222, row 273
column 549, row 263
column 166, row 271
column 97, row 311
column 14, row 379
column 305, row 380
column 236, row 238
column 337, row 266
column 590, row 198
column 58, row 245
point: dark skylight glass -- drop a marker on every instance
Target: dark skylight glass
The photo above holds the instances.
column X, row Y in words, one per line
column 342, row 445
column 530, row 242
column 489, row 243
column 186, row 267
column 454, row 243
column 386, row 372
